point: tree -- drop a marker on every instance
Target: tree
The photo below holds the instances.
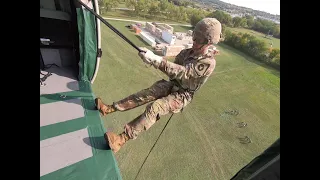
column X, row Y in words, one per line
column 243, row 22
column 265, row 26
column 257, row 26
column 223, row 29
column 163, row 5
column 244, row 41
column 239, row 22
column 195, row 18
column 274, row 53
column 100, row 3
column 250, row 21
column 252, row 46
column 185, row 3
column 224, row 18
column 142, row 7
column 181, row 13
column 176, row 2
column 276, row 61
column 131, row 3
column 276, row 31
column 185, row 17
column 154, row 9
column 171, row 11
column 108, row 4
column 192, row 4
column 227, row 19
column 259, row 48
column 176, row 13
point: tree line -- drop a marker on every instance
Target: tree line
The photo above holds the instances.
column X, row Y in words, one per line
column 174, row 10
column 182, row 11
column 260, row 25
column 244, row 42
column 184, row 3
column 253, row 47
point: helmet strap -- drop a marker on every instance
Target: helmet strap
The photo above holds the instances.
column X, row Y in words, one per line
column 200, row 48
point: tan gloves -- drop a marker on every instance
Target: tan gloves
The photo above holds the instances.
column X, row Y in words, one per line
column 150, row 58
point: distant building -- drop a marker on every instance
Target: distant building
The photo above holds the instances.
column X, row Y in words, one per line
column 164, row 41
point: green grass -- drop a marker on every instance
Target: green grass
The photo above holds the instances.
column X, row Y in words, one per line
column 181, row 28
column 260, row 36
column 201, row 142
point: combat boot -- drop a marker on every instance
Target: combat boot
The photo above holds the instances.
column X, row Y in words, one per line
column 103, row 108
column 116, row 141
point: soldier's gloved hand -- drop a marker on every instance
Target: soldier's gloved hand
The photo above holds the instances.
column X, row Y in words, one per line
column 150, row 58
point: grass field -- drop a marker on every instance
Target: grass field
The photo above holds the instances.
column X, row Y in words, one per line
column 123, row 14
column 276, row 42
column 202, row 141
column 181, row 28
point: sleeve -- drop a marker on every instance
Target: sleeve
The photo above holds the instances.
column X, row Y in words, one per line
column 179, row 57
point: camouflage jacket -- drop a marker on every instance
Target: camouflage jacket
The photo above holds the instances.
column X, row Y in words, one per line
column 190, row 72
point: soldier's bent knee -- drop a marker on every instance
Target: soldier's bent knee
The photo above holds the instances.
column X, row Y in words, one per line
column 158, row 107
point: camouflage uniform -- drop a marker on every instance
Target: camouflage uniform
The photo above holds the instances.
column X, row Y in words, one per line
column 187, row 74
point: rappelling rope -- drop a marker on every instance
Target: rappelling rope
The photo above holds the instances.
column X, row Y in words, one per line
column 153, row 146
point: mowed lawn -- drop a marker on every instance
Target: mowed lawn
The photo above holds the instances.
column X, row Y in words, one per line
column 181, row 28
column 202, row 141
column 261, row 36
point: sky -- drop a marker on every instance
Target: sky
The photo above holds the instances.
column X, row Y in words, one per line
column 270, row 6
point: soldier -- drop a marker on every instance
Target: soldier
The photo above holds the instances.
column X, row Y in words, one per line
column 190, row 70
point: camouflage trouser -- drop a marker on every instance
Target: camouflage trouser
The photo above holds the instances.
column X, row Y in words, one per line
column 168, row 98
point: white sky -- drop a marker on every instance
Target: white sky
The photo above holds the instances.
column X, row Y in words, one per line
column 270, row 6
